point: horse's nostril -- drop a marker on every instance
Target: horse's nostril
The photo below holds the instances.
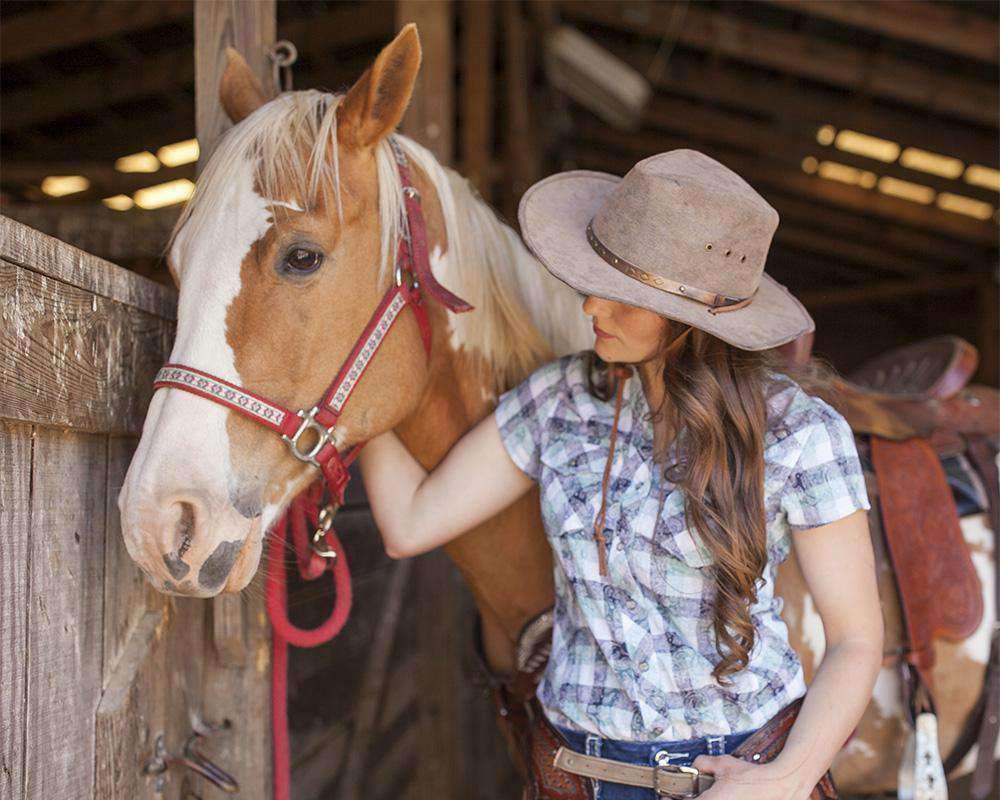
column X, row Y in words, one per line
column 185, row 528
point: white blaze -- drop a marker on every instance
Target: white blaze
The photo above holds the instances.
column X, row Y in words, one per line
column 184, row 442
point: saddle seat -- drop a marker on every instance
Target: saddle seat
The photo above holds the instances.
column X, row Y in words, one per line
column 918, row 390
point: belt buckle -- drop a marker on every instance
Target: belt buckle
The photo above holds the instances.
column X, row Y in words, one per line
column 675, row 769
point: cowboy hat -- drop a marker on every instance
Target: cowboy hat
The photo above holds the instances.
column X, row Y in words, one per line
column 681, row 235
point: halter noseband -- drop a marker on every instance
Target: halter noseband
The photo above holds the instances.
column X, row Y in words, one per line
column 412, row 274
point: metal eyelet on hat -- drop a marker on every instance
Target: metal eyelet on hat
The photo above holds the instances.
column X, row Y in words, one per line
column 729, row 250
column 742, row 259
column 708, row 246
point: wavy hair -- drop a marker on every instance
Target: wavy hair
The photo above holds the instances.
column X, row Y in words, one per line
column 716, row 397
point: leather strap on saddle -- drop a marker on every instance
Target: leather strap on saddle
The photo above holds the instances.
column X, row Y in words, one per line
column 939, row 589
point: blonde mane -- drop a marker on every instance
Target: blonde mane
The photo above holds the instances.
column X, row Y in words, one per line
column 523, row 315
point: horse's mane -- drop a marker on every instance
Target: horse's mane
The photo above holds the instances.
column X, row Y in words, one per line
column 523, row 316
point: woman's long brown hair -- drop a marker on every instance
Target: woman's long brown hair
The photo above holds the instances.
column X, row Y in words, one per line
column 716, row 398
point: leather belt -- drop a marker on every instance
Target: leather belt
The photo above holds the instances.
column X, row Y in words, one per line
column 666, row 780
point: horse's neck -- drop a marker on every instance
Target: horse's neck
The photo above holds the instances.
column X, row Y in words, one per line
column 505, row 561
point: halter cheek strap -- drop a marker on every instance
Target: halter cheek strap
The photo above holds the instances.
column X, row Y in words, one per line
column 412, row 274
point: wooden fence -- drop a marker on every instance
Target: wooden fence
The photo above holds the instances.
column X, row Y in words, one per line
column 98, row 671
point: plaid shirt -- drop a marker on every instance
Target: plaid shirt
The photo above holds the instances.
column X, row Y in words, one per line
column 633, row 652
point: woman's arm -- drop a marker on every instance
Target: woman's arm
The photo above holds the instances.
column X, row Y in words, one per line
column 417, row 511
column 838, row 565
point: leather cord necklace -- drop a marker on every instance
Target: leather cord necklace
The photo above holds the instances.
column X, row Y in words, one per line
column 621, row 374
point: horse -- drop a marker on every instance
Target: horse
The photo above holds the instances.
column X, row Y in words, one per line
column 282, row 253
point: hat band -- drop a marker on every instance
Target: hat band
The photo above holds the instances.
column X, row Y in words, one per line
column 717, row 303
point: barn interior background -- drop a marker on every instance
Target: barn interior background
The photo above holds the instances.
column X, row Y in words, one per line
column 872, row 127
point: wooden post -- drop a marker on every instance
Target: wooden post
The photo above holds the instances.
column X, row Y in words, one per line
column 477, row 95
column 444, row 605
column 523, row 159
column 250, row 27
column 238, row 626
column 430, row 118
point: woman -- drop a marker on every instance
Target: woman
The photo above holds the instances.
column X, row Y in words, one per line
column 678, row 465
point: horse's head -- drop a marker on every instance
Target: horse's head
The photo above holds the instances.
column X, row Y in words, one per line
column 281, row 257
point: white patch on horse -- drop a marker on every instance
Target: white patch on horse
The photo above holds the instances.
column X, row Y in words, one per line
column 977, row 646
column 184, row 441
column 886, row 693
column 858, row 748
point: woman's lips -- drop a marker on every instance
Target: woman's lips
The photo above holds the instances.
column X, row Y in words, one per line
column 600, row 334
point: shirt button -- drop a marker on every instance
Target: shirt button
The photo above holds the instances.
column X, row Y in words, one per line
column 630, row 603
column 643, row 666
column 620, row 545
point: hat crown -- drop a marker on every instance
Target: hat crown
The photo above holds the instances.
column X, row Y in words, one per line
column 685, row 217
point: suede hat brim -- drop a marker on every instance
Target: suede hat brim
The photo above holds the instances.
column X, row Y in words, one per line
column 554, row 213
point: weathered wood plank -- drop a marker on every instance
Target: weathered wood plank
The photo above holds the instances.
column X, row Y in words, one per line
column 73, row 358
column 40, row 253
column 65, row 612
column 240, row 692
column 15, row 530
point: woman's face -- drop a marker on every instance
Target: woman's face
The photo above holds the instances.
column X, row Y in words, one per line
column 624, row 333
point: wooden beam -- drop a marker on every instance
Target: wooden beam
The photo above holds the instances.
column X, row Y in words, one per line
column 755, row 91
column 907, row 242
column 90, row 91
column 477, row 93
column 523, row 159
column 878, row 74
column 115, row 235
column 949, row 28
column 104, row 179
column 247, row 27
column 440, row 597
column 768, row 172
column 768, row 138
column 891, row 291
column 60, row 26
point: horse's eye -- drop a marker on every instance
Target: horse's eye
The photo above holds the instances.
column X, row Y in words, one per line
column 302, row 260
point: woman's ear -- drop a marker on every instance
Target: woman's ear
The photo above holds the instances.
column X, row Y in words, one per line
column 374, row 106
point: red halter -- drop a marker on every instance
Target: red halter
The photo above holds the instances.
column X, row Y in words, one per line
column 412, row 273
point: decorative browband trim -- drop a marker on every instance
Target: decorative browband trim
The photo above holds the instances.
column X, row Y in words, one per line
column 717, row 303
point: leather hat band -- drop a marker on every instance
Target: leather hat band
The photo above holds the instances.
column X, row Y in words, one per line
column 717, row 303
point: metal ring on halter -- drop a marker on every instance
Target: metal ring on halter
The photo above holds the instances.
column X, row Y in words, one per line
column 283, row 54
column 323, row 434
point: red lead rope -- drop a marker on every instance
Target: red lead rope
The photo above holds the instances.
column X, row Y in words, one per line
column 301, row 519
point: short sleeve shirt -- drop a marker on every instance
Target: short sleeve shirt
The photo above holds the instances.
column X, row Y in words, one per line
column 633, row 651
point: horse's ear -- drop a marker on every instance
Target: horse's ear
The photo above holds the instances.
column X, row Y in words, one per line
column 375, row 104
column 239, row 90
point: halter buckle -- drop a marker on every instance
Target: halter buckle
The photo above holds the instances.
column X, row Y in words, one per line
column 324, row 436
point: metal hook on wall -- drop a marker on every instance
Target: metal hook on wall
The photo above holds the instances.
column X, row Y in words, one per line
column 283, row 55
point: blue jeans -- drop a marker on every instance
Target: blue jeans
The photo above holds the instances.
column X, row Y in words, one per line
column 648, row 754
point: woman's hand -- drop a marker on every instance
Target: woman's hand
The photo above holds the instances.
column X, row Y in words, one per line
column 741, row 780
